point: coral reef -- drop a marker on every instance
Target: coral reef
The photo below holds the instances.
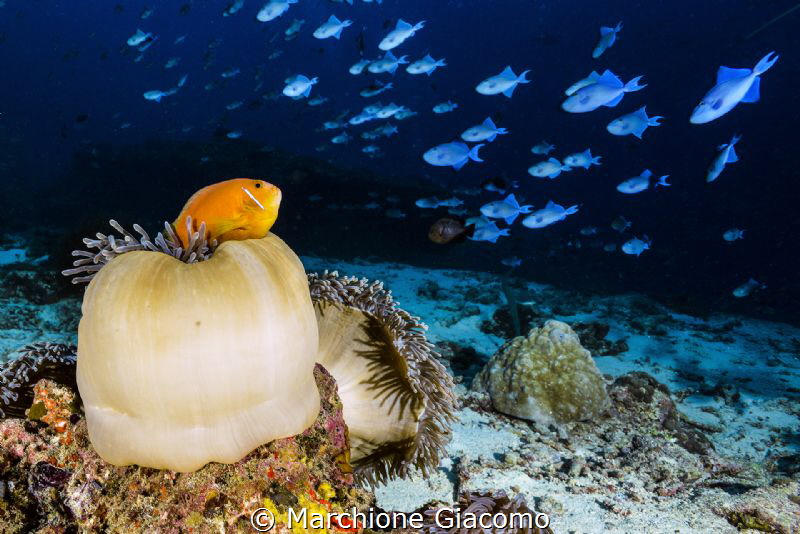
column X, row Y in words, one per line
column 593, row 338
column 502, row 322
column 648, row 467
column 631, row 467
column 30, row 283
column 770, row 509
column 632, row 389
column 53, row 484
column 546, row 377
column 34, row 362
column 398, row 397
column 463, row 362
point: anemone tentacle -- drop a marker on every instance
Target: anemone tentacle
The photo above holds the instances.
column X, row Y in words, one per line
column 104, row 247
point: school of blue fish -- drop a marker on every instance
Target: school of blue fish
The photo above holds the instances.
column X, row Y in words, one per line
column 733, row 86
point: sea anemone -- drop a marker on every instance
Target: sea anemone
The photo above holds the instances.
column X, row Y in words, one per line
column 398, row 399
column 55, row 361
column 515, row 514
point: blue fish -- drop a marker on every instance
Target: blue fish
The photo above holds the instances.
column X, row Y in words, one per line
column 582, row 159
column 637, row 184
column 550, row 214
column 607, row 91
column 551, row 168
column 633, row 123
column 607, row 38
column 733, row 234
column 507, row 209
column 388, row 63
column 486, row 131
column 727, row 154
column 489, row 232
column 636, row 246
column 401, row 32
column 748, row 287
column 505, row 83
column 425, row 65
column 733, row 86
column 298, row 86
column 454, row 154
column 331, row 28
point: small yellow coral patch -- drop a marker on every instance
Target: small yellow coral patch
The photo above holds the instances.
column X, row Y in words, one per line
column 326, row 491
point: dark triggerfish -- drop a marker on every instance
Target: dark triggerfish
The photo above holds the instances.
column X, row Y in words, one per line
column 449, row 230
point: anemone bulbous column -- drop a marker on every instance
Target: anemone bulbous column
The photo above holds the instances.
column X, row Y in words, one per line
column 184, row 364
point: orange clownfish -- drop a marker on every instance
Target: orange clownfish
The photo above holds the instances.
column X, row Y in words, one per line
column 236, row 209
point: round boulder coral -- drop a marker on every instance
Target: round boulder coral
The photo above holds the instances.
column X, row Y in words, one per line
column 546, row 377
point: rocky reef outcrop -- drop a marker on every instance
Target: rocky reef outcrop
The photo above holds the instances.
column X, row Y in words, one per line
column 52, row 480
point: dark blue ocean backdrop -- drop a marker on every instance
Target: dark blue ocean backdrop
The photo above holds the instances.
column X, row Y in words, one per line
column 70, row 82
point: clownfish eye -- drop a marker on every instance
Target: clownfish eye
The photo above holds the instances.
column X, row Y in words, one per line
column 258, row 184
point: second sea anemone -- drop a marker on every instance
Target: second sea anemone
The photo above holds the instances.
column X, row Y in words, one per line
column 397, row 397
